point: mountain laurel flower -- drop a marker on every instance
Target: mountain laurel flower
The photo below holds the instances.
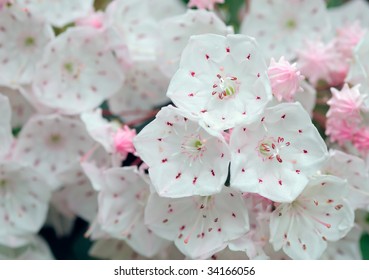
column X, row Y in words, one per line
column 184, row 158
column 222, row 80
column 285, row 79
column 199, row 225
column 346, row 103
column 319, row 214
column 274, row 154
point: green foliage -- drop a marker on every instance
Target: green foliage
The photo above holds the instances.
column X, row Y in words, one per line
column 364, row 244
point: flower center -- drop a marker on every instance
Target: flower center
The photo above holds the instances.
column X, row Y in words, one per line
column 291, row 24
column 3, row 183
column 69, row 67
column 193, row 146
column 29, row 41
column 225, row 86
column 270, row 148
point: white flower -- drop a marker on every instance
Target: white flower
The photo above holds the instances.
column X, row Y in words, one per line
column 176, row 31
column 136, row 26
column 354, row 170
column 24, row 199
column 6, row 137
column 274, row 154
column 320, row 214
column 58, row 12
column 222, row 80
column 347, row 248
column 199, row 225
column 348, row 13
column 184, row 159
column 77, row 72
column 22, row 110
column 280, row 26
column 35, row 249
column 122, row 200
column 144, row 88
column 359, row 66
column 22, row 42
column 52, row 144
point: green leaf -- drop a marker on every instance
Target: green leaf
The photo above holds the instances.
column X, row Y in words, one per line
column 364, row 245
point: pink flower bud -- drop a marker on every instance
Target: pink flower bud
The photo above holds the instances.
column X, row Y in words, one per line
column 284, row 78
column 123, row 141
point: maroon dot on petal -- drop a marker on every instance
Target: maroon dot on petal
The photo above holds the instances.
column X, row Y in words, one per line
column 228, row 49
column 233, row 215
column 164, row 160
column 178, row 175
column 212, row 172
column 219, row 229
column 165, row 221
column 182, row 227
column 207, row 56
column 248, row 56
column 194, row 180
column 305, row 151
column 283, row 116
column 192, row 74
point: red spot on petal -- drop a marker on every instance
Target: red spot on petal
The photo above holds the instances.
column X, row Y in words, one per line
column 178, row 175
column 212, row 172
column 165, row 221
column 228, row 50
column 193, row 74
column 207, row 56
column 194, row 180
column 164, row 160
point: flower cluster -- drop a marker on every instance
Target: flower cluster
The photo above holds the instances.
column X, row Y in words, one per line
column 172, row 137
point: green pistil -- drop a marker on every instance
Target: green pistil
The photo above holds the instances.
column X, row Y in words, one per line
column 3, row 183
column 29, row 41
column 55, row 138
column 69, row 67
column 198, row 144
column 291, row 24
column 230, row 91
